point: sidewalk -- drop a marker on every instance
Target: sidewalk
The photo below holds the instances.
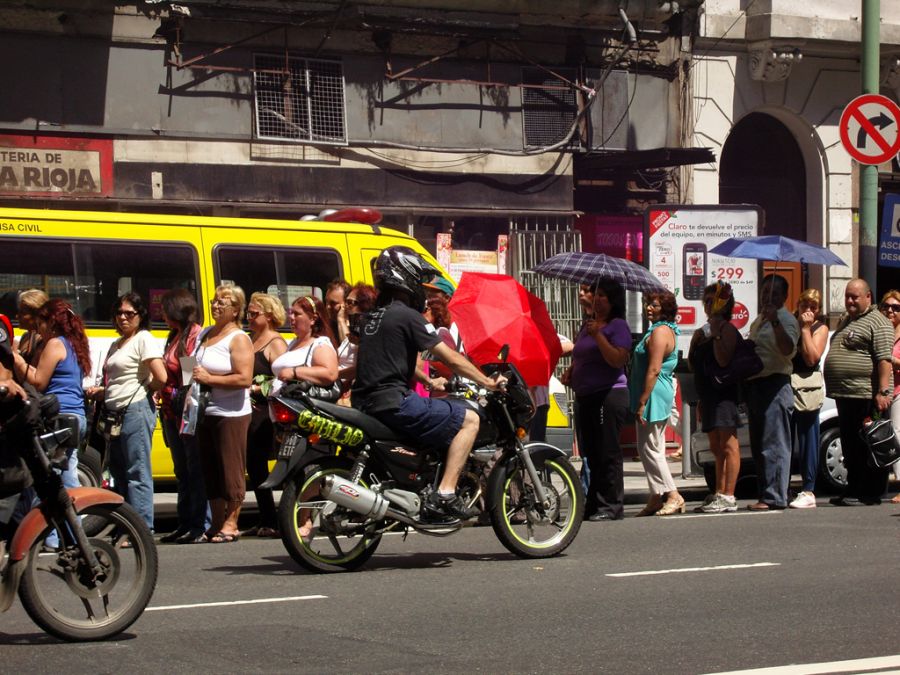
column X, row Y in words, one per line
column 693, row 489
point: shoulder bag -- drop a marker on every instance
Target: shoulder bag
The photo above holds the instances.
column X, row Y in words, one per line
column 878, row 435
column 809, row 391
column 745, row 363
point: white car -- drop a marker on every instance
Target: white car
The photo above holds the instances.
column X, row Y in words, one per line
column 832, row 472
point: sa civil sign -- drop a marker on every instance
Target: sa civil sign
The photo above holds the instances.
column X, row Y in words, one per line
column 869, row 129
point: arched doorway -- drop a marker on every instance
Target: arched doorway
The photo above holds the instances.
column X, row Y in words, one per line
column 762, row 164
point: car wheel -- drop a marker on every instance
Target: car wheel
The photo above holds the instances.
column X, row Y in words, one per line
column 832, row 471
column 90, row 471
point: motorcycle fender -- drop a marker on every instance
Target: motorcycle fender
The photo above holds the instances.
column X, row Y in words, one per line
column 34, row 522
column 539, row 452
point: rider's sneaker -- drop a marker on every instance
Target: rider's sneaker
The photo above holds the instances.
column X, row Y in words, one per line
column 438, row 508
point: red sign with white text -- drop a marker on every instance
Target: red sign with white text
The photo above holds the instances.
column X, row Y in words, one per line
column 38, row 166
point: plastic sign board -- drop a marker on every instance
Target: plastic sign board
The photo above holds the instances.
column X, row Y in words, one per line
column 678, row 239
column 889, row 246
column 869, row 129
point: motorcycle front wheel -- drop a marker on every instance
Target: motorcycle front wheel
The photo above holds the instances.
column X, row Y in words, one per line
column 320, row 535
column 529, row 529
column 61, row 594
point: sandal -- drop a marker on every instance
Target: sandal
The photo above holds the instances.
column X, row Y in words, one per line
column 896, row 499
column 224, row 538
column 268, row 533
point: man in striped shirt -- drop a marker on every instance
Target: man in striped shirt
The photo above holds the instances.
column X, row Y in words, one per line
column 859, row 377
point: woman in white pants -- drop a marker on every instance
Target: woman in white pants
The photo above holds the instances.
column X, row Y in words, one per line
column 651, row 388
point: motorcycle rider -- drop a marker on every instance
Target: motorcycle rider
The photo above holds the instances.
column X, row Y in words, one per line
column 391, row 337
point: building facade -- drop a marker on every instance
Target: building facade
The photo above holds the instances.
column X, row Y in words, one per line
column 769, row 81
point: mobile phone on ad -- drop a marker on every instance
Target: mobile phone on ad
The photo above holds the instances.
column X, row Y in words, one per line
column 694, row 271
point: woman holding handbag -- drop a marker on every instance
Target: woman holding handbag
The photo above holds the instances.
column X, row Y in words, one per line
column 718, row 407
column 134, row 369
column 180, row 313
column 311, row 356
column 809, row 392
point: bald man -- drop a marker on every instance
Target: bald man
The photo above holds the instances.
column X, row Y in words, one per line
column 859, row 377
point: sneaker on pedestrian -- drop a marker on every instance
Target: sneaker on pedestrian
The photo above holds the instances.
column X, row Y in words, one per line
column 804, row 500
column 720, row 504
column 440, row 508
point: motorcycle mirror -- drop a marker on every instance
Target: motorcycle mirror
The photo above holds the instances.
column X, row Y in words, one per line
column 503, row 354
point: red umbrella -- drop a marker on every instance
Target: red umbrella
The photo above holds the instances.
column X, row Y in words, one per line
column 492, row 310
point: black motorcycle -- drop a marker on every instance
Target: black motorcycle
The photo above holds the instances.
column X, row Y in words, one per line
column 101, row 577
column 347, row 479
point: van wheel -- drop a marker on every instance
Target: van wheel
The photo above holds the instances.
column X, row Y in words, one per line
column 832, row 471
column 90, row 470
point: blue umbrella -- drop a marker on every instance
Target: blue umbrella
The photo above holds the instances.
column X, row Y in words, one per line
column 585, row 268
column 777, row 248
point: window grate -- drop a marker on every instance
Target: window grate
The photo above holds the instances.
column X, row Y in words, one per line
column 549, row 107
column 306, row 103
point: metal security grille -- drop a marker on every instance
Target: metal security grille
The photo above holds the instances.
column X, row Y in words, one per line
column 299, row 100
column 549, row 107
column 533, row 240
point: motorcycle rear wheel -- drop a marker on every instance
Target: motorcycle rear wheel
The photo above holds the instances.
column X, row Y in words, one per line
column 522, row 527
column 59, row 594
column 335, row 542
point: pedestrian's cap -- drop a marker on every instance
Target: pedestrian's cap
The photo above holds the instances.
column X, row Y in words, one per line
column 440, row 284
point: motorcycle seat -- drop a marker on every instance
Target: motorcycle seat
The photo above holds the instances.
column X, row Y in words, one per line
column 371, row 426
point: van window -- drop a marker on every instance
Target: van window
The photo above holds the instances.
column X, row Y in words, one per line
column 92, row 275
column 285, row 273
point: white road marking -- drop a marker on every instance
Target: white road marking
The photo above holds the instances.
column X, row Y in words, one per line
column 237, row 602
column 732, row 514
column 871, row 665
column 682, row 570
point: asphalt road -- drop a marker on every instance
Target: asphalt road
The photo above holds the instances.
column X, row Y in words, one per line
column 726, row 593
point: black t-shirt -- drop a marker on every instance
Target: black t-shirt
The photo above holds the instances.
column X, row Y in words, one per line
column 390, row 339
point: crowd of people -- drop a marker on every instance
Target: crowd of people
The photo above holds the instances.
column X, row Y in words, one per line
column 210, row 386
column 783, row 395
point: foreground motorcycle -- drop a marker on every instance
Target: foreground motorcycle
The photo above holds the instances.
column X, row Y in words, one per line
column 103, row 574
column 347, row 479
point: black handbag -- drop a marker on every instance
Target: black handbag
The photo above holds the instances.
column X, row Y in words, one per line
column 745, row 363
column 878, row 435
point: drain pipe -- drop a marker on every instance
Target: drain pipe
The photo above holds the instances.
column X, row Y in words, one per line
column 629, row 28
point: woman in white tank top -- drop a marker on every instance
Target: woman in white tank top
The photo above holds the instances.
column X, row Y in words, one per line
column 225, row 366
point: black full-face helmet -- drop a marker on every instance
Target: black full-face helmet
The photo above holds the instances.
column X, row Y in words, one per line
column 402, row 269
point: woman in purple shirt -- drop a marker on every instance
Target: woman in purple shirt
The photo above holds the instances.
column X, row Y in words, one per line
column 597, row 375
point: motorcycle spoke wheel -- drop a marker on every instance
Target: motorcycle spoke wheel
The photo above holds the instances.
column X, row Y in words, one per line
column 524, row 526
column 63, row 596
column 319, row 535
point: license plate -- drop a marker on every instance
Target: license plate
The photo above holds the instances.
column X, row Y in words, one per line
column 288, row 446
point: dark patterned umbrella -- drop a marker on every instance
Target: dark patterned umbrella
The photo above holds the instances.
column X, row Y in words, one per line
column 585, row 268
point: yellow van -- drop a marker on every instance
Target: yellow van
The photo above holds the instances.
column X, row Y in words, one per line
column 89, row 259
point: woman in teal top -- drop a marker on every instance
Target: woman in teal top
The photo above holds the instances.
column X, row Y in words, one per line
column 651, row 392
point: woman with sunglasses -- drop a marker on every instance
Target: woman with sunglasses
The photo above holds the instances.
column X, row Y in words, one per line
column 890, row 307
column 265, row 314
column 360, row 299
column 134, row 369
column 805, row 423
